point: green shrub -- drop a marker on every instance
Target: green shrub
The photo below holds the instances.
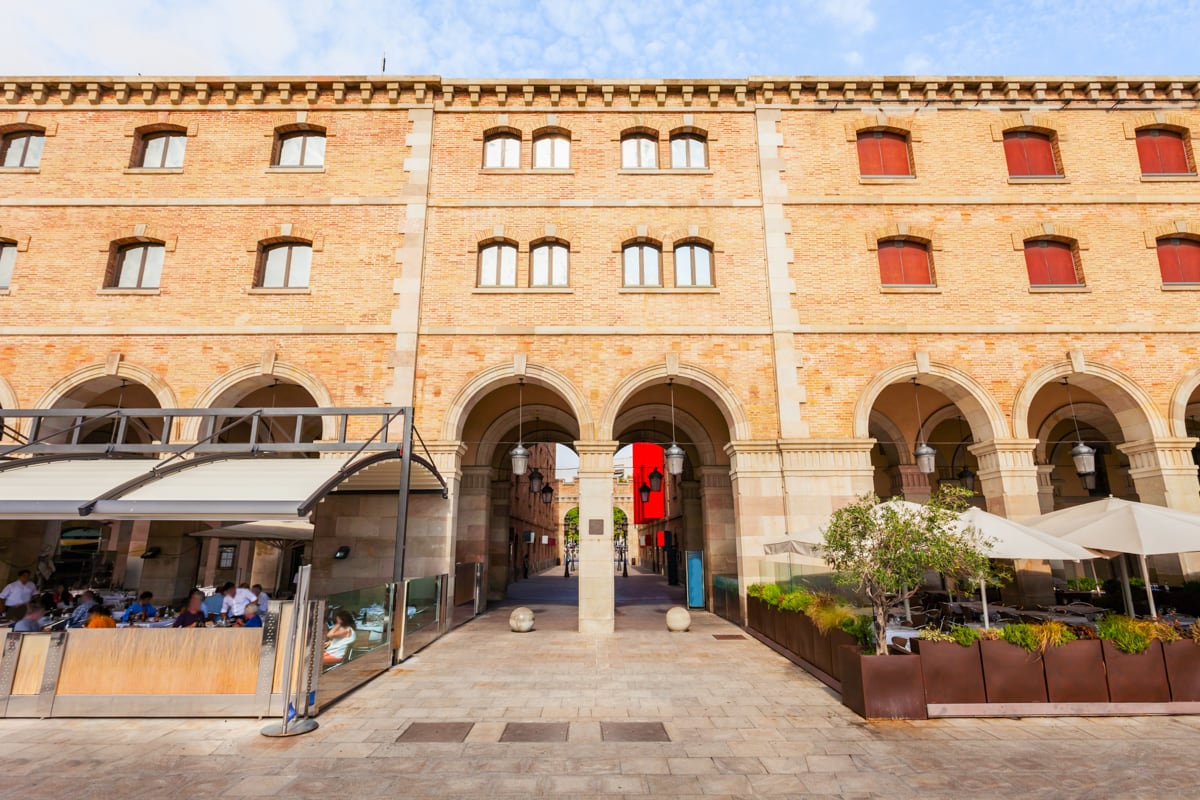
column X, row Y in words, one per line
column 771, row 594
column 934, row 635
column 964, row 636
column 1022, row 635
column 862, row 628
column 827, row 612
column 800, row 601
column 1038, row 637
column 755, row 590
column 1127, row 635
column 1082, row 584
column 1137, row 583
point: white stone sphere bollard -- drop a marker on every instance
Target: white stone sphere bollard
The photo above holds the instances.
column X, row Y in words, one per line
column 678, row 619
column 521, row 620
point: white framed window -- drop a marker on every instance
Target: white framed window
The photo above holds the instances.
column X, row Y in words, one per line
column 502, row 151
column 689, row 151
column 285, row 266
column 137, row 266
column 163, row 150
column 693, row 265
column 301, row 149
column 639, row 151
column 641, row 265
column 552, row 151
column 8, row 259
column 549, row 265
column 22, row 149
column 498, row 265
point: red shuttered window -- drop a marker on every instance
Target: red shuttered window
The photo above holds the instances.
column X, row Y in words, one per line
column 883, row 153
column 1162, row 152
column 1029, row 154
column 1050, row 263
column 1179, row 260
column 904, row 263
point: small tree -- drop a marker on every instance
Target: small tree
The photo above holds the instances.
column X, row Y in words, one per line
column 885, row 549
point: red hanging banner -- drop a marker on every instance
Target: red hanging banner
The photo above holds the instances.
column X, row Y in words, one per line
column 647, row 458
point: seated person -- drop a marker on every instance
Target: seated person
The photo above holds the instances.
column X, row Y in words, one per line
column 212, row 603
column 192, row 614
column 32, row 621
column 100, row 616
column 79, row 617
column 62, row 598
column 143, row 610
column 250, row 617
column 339, row 638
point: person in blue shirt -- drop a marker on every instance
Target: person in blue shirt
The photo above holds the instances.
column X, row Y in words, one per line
column 79, row 617
column 212, row 603
column 250, row 618
column 143, row 610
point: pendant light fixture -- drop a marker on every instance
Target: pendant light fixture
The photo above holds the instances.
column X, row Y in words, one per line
column 536, row 478
column 924, row 454
column 547, row 494
column 673, row 456
column 655, row 477
column 519, row 454
column 1083, row 456
column 644, row 492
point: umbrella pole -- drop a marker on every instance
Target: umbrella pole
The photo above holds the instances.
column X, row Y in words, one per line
column 1124, row 570
column 983, row 601
column 907, row 606
column 1149, row 591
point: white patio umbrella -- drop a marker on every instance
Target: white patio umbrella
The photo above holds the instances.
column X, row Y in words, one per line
column 1008, row 539
column 1121, row 526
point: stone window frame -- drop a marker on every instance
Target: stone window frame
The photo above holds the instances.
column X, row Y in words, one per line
column 1169, row 121
column 1063, row 234
column 498, row 240
column 902, row 231
column 643, row 240
column 281, row 133
column 545, row 241
column 1044, row 124
column 18, row 245
column 281, row 233
column 118, row 242
column 905, row 125
column 9, row 132
column 690, row 132
column 1176, row 229
column 694, row 240
column 641, row 132
column 505, row 132
column 551, row 132
column 144, row 133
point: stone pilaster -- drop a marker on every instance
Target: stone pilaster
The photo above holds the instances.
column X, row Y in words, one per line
column 1045, row 479
column 1008, row 477
column 474, row 508
column 1164, row 474
column 822, row 475
column 757, row 481
column 499, row 545
column 596, row 597
column 431, row 535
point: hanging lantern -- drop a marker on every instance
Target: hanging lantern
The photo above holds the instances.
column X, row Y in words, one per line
column 656, row 480
column 535, row 480
column 547, row 494
column 520, row 459
column 673, row 456
column 1085, row 460
column 967, row 478
column 644, row 493
column 925, row 456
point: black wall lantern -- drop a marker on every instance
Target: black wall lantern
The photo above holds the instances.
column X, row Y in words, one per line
column 655, row 480
column 644, row 493
column 547, row 494
column 341, row 553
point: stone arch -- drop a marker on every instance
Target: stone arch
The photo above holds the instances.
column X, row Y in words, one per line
column 895, row 438
column 279, row 370
column 8, row 397
column 1093, row 415
column 980, row 409
column 692, row 428
column 492, row 436
column 688, row 375
column 131, row 372
column 1180, row 399
column 471, row 392
column 1133, row 407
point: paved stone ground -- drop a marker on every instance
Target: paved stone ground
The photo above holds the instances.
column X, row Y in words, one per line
column 742, row 722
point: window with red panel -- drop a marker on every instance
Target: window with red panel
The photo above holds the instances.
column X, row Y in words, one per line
column 1029, row 154
column 883, row 153
column 1162, row 152
column 1050, row 263
column 903, row 262
column 1179, row 260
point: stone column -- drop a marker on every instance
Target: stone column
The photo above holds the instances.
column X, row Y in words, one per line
column 1009, row 479
column 1164, row 474
column 432, row 519
column 474, row 509
column 498, row 544
column 756, row 476
column 822, row 475
column 596, row 597
column 720, row 523
column 1045, row 479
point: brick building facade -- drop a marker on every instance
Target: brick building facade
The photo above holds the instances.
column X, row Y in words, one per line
column 1012, row 256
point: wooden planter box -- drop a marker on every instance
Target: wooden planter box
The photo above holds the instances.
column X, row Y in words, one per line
column 754, row 613
column 1137, row 677
column 882, row 687
column 805, row 635
column 789, row 630
column 839, row 640
column 822, row 651
column 1012, row 674
column 1075, row 673
column 952, row 673
column 1183, row 670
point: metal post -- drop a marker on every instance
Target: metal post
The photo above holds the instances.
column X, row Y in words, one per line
column 1149, row 590
column 287, row 726
column 402, row 500
column 1124, row 569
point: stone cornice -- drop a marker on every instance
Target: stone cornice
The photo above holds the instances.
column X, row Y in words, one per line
column 1013, row 93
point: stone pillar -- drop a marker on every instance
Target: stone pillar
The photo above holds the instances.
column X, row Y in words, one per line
column 693, row 516
column 432, row 520
column 914, row 484
column 1009, row 479
column 1164, row 474
column 596, row 597
column 720, row 524
column 498, row 545
column 822, row 475
column 756, row 476
column 1045, row 479
column 474, row 509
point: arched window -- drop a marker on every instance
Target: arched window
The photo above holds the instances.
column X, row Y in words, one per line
column 639, row 150
column 502, row 151
column 161, row 149
column 641, row 264
column 689, row 151
column 1029, row 154
column 8, row 259
column 904, row 262
column 285, row 265
column 552, row 151
column 1163, row 152
column 549, row 264
column 22, row 148
column 136, row 266
column 498, row 264
column 1179, row 260
column 883, row 154
column 303, row 148
column 1051, row 263
column 693, row 264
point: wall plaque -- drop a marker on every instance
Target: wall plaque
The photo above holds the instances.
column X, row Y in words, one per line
column 596, row 527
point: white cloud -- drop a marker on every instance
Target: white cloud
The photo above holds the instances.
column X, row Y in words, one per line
column 856, row 16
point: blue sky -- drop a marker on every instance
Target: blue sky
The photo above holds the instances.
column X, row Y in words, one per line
column 600, row 38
